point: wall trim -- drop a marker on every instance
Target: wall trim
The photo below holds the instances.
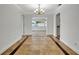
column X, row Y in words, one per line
column 9, row 45
column 65, row 48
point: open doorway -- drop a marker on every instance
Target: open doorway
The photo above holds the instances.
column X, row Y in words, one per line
column 58, row 25
column 39, row 27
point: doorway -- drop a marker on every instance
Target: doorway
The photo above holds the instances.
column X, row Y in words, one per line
column 58, row 26
column 39, row 27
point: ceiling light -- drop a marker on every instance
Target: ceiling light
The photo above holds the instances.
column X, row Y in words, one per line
column 39, row 10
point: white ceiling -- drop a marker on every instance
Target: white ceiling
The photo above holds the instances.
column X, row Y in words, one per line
column 29, row 8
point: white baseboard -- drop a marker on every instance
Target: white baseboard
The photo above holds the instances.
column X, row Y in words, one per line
column 69, row 46
column 10, row 45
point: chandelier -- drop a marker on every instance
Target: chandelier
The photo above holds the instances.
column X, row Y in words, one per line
column 39, row 10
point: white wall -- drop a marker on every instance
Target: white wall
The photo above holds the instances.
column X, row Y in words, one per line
column 69, row 28
column 27, row 24
column 10, row 26
column 50, row 24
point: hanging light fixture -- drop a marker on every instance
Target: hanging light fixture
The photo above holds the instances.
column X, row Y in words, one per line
column 39, row 10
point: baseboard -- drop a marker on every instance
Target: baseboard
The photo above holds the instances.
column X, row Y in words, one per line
column 69, row 46
column 65, row 48
column 13, row 48
column 10, row 45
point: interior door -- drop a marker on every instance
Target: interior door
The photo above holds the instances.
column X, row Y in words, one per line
column 58, row 25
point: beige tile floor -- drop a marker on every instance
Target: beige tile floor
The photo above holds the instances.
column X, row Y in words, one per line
column 39, row 44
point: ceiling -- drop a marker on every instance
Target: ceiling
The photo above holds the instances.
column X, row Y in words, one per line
column 29, row 8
